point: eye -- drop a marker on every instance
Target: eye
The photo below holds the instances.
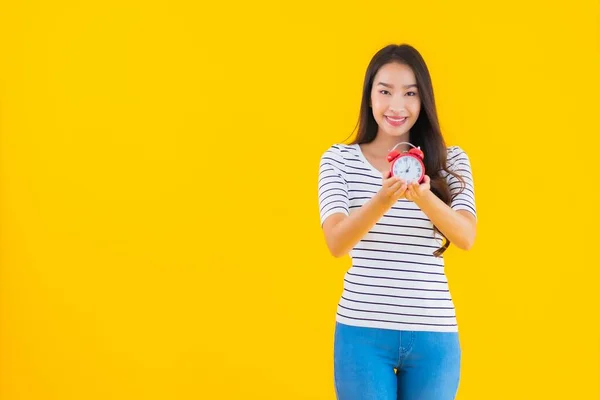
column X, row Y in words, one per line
column 411, row 93
column 382, row 91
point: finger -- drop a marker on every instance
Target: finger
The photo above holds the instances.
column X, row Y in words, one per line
column 396, row 185
column 400, row 191
column 388, row 179
column 395, row 179
column 427, row 180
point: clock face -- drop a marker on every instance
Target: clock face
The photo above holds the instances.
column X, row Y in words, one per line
column 408, row 168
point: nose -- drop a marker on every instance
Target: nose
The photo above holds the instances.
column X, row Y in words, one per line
column 397, row 104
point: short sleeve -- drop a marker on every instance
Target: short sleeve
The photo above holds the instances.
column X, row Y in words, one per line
column 459, row 163
column 332, row 186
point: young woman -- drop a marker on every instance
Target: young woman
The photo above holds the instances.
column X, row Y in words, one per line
column 396, row 335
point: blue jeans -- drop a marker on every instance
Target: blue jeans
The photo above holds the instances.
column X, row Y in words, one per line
column 366, row 361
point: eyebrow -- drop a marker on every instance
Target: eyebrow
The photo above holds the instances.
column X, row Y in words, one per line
column 392, row 86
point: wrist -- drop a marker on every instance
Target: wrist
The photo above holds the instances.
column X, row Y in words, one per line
column 427, row 198
column 382, row 202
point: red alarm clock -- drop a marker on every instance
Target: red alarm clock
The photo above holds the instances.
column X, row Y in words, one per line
column 408, row 165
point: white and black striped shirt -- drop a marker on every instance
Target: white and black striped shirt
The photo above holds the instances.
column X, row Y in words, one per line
column 395, row 281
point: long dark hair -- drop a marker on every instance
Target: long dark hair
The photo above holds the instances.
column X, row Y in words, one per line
column 425, row 133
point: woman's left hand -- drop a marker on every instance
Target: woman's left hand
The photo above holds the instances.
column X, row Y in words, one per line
column 416, row 192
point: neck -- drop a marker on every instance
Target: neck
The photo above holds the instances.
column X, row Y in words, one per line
column 383, row 143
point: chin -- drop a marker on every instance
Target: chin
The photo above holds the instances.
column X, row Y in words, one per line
column 389, row 131
column 397, row 134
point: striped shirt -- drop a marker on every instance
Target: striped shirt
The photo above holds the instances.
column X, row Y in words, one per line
column 395, row 281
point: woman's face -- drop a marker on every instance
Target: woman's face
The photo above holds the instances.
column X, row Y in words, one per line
column 395, row 99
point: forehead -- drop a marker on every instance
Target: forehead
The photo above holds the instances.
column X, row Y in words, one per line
column 395, row 74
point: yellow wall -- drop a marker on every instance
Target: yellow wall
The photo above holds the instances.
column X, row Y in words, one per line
column 160, row 233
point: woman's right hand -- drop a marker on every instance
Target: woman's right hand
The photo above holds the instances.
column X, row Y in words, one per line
column 392, row 189
column 343, row 232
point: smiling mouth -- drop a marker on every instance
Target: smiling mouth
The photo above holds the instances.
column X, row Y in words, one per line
column 395, row 121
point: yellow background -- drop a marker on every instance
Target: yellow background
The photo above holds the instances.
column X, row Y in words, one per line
column 160, row 233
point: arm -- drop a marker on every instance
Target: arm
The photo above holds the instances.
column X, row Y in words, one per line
column 459, row 226
column 341, row 228
column 342, row 232
column 457, row 221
